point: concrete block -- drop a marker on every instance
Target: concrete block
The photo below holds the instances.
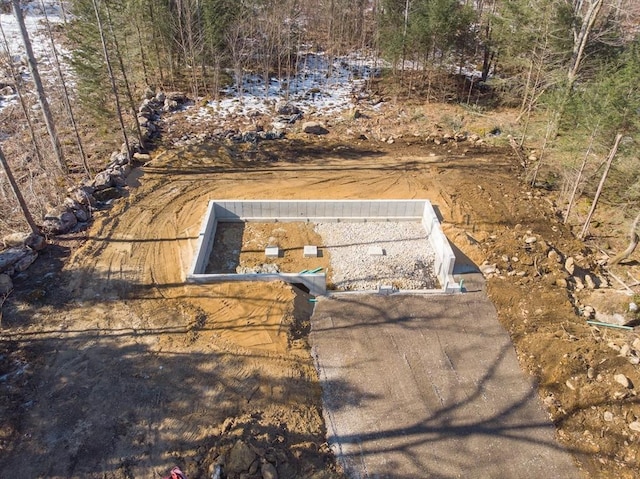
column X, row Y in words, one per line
column 385, row 289
column 375, row 251
column 310, row 251
column 272, row 252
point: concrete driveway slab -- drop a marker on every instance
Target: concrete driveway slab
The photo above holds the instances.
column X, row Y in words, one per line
column 429, row 387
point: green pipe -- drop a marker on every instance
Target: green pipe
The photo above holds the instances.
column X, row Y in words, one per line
column 609, row 325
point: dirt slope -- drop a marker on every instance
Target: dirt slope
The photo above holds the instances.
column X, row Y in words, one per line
column 114, row 368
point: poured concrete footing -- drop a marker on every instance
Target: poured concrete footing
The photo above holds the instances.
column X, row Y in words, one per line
column 315, row 211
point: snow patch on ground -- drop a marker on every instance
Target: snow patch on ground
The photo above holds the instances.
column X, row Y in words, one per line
column 322, row 85
column 34, row 18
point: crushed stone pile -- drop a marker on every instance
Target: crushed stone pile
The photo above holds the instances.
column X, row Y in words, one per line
column 406, row 261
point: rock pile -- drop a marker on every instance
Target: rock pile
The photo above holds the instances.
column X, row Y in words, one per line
column 22, row 251
column 75, row 212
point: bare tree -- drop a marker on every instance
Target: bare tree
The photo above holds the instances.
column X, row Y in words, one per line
column 16, row 191
column 612, row 154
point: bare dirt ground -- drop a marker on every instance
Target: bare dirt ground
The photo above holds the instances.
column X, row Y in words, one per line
column 111, row 367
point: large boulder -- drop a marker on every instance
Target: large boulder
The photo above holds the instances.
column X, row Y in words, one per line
column 170, row 105
column 102, row 181
column 9, row 257
column 108, row 194
column 26, row 261
column 240, row 458
column 287, row 109
column 30, row 240
column 314, row 128
column 59, row 220
column 81, row 212
column 83, row 195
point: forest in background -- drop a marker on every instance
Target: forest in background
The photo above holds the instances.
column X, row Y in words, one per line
column 569, row 67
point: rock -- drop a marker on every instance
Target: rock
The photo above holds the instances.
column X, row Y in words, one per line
column 570, row 265
column 635, row 426
column 31, row 240
column 102, row 181
column 35, row 242
column 176, row 96
column 635, row 360
column 636, row 344
column 591, row 373
column 623, row 381
column 118, row 178
column 161, row 97
column 82, row 214
column 487, row 269
column 530, row 239
column 588, row 281
column 268, row 471
column 561, row 282
column 240, row 458
column 15, row 239
column 554, row 256
column 6, row 285
column 633, row 307
column 119, row 158
column 9, row 257
column 83, row 195
column 588, row 312
column 570, row 385
column 287, row 109
column 255, row 465
column 59, row 220
column 108, row 194
column 314, row 128
column 170, row 105
column 608, row 416
column 142, row 157
column 25, row 262
column 624, row 350
column 579, row 283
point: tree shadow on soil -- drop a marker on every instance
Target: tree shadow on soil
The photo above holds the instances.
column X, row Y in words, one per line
column 91, row 406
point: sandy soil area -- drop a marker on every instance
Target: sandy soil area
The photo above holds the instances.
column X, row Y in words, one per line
column 112, row 367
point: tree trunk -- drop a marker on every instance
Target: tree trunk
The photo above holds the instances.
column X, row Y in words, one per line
column 580, row 41
column 572, row 199
column 612, row 154
column 19, row 197
column 633, row 243
column 65, row 93
column 132, row 105
column 42, row 98
column 114, row 88
column 23, row 104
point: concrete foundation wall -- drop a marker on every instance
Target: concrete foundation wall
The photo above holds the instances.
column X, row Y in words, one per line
column 318, row 211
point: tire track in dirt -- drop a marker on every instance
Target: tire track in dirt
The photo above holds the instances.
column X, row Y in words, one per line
column 148, row 368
